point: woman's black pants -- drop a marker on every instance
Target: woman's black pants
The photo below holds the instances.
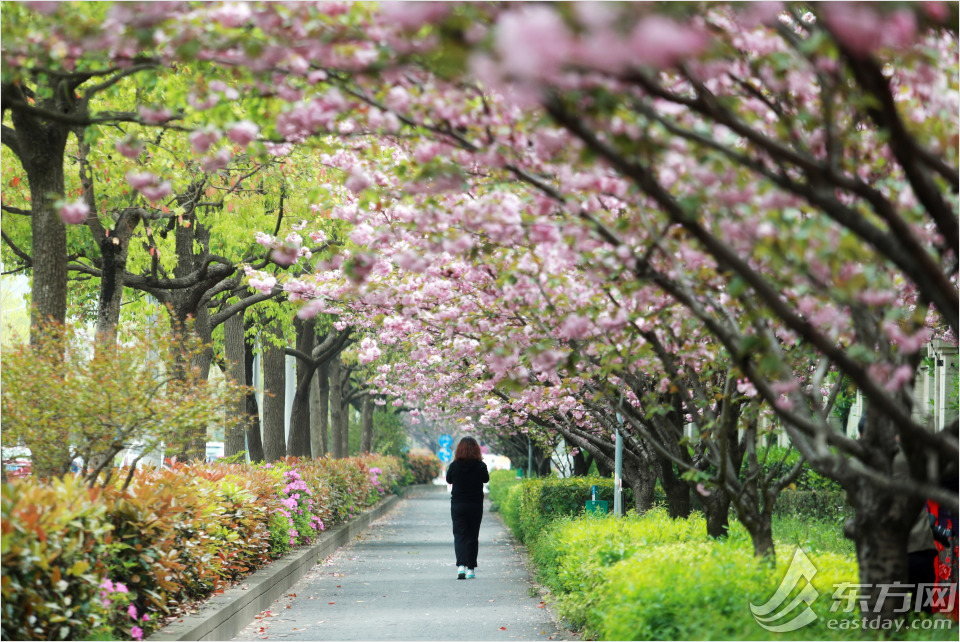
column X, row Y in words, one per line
column 466, row 531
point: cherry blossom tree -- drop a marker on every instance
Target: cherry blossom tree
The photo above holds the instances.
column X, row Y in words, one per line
column 520, row 178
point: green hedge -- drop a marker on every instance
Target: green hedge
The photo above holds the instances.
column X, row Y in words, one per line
column 531, row 505
column 424, row 467
column 808, row 480
column 82, row 563
column 820, row 504
column 650, row 577
column 501, row 481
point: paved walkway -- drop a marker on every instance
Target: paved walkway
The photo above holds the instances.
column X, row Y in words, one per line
column 397, row 581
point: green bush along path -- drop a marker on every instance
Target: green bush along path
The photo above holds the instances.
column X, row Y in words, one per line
column 398, row 582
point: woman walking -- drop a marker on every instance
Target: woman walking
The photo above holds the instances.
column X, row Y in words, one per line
column 468, row 474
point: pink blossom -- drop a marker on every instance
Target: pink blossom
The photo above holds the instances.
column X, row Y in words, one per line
column 278, row 149
column 220, row 160
column 398, row 99
column 136, row 633
column 533, row 42
column 576, row 327
column 74, row 213
column 368, row 351
column 44, row 7
column 155, row 116
column 157, row 192
column 232, row 14
column 264, row 285
column 139, row 180
column 129, row 148
column 362, row 234
column 358, row 180
column 939, row 11
column 414, row 15
column 203, row 139
column 285, row 254
column 659, row 42
column 862, row 29
column 900, row 377
column 120, row 587
column 132, row 611
column 243, row 132
column 701, row 489
column 745, row 387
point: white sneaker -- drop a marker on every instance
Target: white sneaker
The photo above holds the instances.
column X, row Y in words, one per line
column 461, row 572
column 470, row 574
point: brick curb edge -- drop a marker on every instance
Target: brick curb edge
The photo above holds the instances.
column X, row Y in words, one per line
column 222, row 617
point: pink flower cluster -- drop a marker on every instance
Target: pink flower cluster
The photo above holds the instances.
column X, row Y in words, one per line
column 117, row 593
column 296, row 498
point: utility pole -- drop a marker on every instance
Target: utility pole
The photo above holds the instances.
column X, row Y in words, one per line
column 618, row 468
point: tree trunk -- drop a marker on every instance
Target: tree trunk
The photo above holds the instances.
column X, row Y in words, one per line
column 114, row 247
column 366, row 434
column 319, row 410
column 581, row 463
column 40, row 148
column 254, row 440
column 676, row 490
column 113, row 253
column 762, row 537
column 882, row 558
column 604, row 468
column 298, row 445
column 234, row 350
column 49, row 243
column 274, row 384
column 338, row 449
column 716, row 509
column 343, row 431
column 642, row 481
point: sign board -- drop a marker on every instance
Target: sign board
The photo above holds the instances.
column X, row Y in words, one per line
column 445, row 455
column 446, row 441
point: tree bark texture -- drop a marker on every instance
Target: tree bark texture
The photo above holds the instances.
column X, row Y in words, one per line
column 676, row 490
column 254, row 438
column 343, row 432
column 234, row 351
column 274, row 384
column 366, row 434
column 40, row 147
column 716, row 509
column 298, row 445
column 319, row 411
column 338, row 445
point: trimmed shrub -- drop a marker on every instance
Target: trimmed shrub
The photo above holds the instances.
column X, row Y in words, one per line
column 424, row 467
column 530, row 506
column 501, row 481
column 830, row 505
column 72, row 557
column 809, row 479
column 649, row 577
column 52, row 537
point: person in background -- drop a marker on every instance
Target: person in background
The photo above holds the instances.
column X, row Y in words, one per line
column 467, row 474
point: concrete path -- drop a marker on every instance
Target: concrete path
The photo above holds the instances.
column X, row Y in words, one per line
column 397, row 581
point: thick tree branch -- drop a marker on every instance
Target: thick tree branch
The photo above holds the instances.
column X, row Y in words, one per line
column 16, row 250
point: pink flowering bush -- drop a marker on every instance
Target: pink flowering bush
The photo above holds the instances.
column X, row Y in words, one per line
column 106, row 563
column 120, row 616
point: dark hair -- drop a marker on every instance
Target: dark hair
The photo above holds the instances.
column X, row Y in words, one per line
column 468, row 448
